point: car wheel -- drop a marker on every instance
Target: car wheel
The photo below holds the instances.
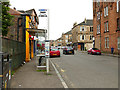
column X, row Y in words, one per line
column 73, row 53
column 91, row 53
column 65, row 53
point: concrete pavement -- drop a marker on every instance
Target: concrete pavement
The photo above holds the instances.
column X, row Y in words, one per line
column 27, row 77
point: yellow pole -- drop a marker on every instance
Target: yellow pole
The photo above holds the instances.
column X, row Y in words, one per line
column 27, row 41
column 32, row 49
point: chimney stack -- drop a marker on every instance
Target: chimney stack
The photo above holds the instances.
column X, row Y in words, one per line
column 85, row 20
column 14, row 8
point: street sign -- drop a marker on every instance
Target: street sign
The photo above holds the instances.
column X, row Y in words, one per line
column 43, row 12
column 42, row 9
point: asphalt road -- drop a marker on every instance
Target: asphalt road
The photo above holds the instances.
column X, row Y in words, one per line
column 88, row 71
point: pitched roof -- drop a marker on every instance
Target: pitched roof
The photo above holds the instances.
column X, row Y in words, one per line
column 89, row 22
column 28, row 11
column 59, row 38
column 14, row 12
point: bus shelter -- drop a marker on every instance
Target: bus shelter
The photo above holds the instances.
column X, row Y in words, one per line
column 39, row 46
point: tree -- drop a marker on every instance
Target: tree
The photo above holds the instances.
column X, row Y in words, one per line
column 6, row 18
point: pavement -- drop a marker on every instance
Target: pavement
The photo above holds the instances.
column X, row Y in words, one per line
column 28, row 77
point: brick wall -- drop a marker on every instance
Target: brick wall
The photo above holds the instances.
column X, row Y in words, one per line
column 112, row 26
column 12, row 34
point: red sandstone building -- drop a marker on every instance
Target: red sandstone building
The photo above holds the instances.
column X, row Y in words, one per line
column 106, row 25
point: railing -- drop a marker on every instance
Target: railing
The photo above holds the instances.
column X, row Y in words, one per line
column 16, row 51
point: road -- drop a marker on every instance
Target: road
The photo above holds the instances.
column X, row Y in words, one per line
column 88, row 71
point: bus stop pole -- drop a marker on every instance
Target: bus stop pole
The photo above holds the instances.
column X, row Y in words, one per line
column 47, row 59
column 47, row 65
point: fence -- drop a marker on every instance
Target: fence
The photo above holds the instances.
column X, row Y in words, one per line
column 16, row 51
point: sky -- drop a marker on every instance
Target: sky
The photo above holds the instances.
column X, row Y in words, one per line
column 62, row 13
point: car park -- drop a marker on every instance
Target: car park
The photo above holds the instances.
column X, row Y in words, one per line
column 94, row 51
column 68, row 50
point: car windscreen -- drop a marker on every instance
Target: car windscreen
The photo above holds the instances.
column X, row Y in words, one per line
column 54, row 49
column 95, row 49
column 69, row 48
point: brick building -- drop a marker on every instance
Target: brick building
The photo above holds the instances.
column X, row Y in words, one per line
column 82, row 35
column 16, row 29
column 106, row 25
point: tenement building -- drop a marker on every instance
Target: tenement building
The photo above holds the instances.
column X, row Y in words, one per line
column 82, row 35
column 106, row 25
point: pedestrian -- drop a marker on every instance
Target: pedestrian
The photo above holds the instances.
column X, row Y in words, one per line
column 112, row 50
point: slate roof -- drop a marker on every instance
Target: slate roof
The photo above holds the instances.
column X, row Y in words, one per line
column 14, row 12
column 28, row 11
column 89, row 22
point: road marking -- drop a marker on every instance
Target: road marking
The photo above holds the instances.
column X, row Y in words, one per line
column 60, row 77
column 62, row 70
column 57, row 65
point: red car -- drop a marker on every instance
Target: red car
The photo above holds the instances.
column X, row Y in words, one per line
column 94, row 51
column 54, row 52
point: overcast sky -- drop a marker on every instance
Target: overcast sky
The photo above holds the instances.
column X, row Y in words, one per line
column 62, row 13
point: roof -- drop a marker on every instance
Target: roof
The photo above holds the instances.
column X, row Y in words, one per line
column 59, row 38
column 14, row 12
column 89, row 22
column 22, row 11
column 28, row 11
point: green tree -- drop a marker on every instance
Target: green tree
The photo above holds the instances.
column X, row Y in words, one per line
column 6, row 18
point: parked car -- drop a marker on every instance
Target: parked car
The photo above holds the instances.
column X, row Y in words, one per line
column 54, row 52
column 94, row 51
column 68, row 50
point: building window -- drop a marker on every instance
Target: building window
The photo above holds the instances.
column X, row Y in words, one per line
column 98, row 3
column 91, row 37
column 83, row 28
column 106, row 26
column 83, row 37
column 33, row 18
column 66, row 41
column 106, row 11
column 118, row 23
column 98, row 29
column 98, row 15
column 80, row 37
column 66, row 36
column 91, row 29
column 106, row 42
column 80, row 28
column 118, row 5
column 119, row 43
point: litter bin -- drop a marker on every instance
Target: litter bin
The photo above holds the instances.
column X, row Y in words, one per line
column 5, row 70
column 112, row 50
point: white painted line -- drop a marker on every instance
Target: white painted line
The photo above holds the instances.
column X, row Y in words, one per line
column 60, row 77
column 41, row 66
